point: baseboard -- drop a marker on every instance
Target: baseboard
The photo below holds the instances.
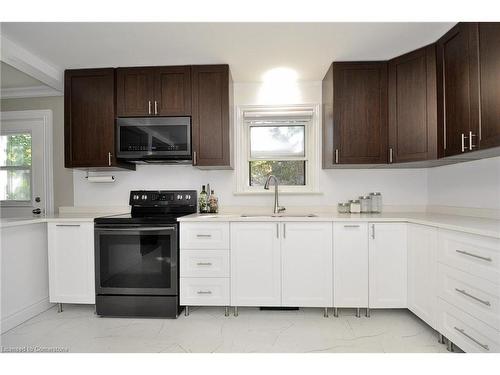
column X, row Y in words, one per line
column 13, row 320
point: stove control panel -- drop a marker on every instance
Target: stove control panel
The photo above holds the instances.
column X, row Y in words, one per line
column 155, row 198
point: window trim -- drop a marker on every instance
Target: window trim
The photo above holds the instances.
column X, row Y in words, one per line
column 312, row 148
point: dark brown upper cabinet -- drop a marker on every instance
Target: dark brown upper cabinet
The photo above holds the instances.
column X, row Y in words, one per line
column 355, row 114
column 89, row 119
column 458, row 89
column 153, row 91
column 413, row 106
column 212, row 100
column 489, row 70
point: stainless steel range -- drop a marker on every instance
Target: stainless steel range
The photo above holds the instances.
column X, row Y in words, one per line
column 137, row 255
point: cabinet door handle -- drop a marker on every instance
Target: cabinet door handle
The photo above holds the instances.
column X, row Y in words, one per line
column 462, row 291
column 109, row 159
column 204, row 235
column 156, row 107
column 462, row 331
column 373, row 231
column 390, row 155
column 351, row 226
column 67, row 225
column 277, row 230
column 194, row 158
column 204, row 292
column 203, row 264
column 149, row 106
column 473, row 255
column 336, row 156
column 284, row 230
column 471, row 145
column 463, row 142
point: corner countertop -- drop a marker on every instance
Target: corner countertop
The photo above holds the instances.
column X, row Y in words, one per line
column 67, row 217
column 468, row 224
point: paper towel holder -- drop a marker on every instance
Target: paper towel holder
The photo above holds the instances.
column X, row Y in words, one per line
column 101, row 179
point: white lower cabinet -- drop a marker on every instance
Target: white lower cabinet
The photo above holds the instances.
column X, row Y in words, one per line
column 387, row 265
column 422, row 272
column 255, row 264
column 71, row 262
column 350, row 264
column 306, row 263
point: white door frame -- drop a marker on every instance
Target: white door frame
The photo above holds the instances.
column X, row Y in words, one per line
column 45, row 115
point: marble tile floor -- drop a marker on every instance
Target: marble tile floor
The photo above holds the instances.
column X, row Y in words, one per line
column 207, row 330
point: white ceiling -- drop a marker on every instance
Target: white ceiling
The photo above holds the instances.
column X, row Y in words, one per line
column 10, row 77
column 250, row 49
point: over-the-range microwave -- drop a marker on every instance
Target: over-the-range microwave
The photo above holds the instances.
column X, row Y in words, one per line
column 154, row 139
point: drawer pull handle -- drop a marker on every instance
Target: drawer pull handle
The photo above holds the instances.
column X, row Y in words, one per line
column 203, row 235
column 204, row 292
column 67, row 225
column 462, row 331
column 351, row 226
column 487, row 303
column 203, row 264
column 474, row 255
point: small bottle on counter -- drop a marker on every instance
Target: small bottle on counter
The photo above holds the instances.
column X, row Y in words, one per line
column 213, row 203
column 355, row 206
column 376, row 202
column 365, row 203
column 203, row 201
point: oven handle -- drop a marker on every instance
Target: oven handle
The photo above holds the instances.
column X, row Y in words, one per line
column 140, row 229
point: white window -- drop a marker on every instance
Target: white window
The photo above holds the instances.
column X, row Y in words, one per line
column 279, row 141
column 15, row 168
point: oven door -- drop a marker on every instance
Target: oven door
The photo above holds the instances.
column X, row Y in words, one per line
column 142, row 138
column 131, row 260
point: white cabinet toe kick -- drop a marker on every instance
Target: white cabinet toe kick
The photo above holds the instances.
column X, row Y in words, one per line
column 449, row 279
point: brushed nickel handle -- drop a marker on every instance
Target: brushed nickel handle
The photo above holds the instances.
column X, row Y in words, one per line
column 109, row 159
column 284, row 230
column 463, row 142
column 390, row 155
column 194, row 158
column 156, row 107
column 336, row 156
column 203, row 264
column 471, row 145
column 373, row 231
column 67, row 225
column 462, row 331
column 204, row 292
column 473, row 255
column 277, row 230
column 351, row 226
column 462, row 291
column 149, row 106
column 203, row 235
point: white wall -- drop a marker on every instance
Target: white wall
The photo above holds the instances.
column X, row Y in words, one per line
column 472, row 184
column 399, row 187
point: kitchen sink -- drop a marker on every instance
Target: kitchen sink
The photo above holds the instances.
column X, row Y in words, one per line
column 279, row 215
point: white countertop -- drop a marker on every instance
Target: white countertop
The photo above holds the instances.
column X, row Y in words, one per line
column 80, row 217
column 469, row 224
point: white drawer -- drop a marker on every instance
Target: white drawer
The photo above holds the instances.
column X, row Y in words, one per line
column 477, row 255
column 204, row 263
column 205, row 291
column 205, row 236
column 478, row 297
column 469, row 334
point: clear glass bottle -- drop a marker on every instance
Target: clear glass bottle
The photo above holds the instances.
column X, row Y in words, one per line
column 213, row 203
column 376, row 202
column 365, row 202
column 203, row 201
column 355, row 206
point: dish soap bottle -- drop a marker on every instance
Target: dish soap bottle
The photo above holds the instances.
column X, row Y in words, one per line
column 213, row 203
column 203, row 201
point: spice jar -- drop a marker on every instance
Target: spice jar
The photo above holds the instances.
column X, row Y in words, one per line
column 365, row 203
column 355, row 207
column 376, row 202
column 344, row 208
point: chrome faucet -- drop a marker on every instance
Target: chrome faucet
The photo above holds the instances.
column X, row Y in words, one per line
column 277, row 207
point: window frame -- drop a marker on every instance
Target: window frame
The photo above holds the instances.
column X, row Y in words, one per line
column 311, row 145
column 13, row 202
